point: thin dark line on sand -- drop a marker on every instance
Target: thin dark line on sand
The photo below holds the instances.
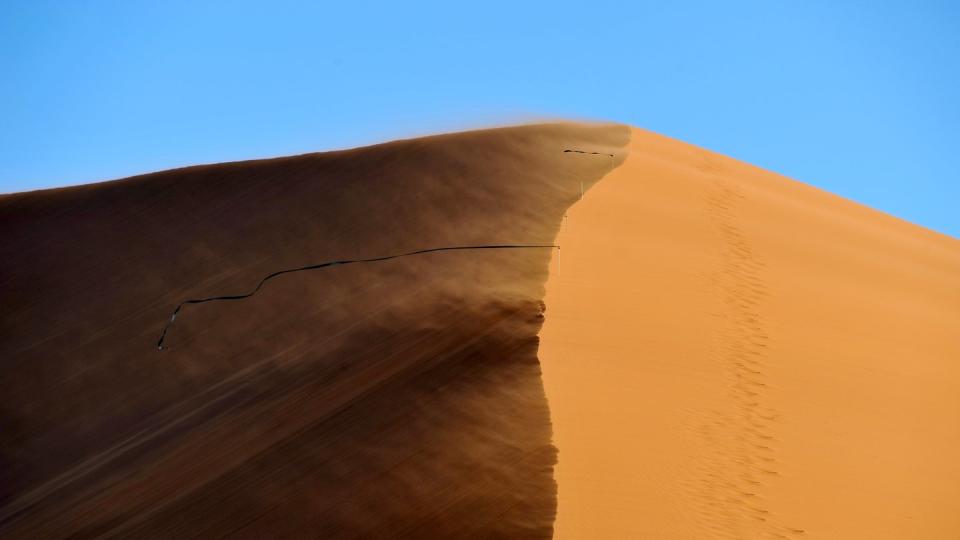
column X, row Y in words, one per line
column 328, row 264
column 585, row 152
column 173, row 316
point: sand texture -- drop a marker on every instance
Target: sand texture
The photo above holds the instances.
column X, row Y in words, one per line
column 715, row 351
column 392, row 399
column 728, row 353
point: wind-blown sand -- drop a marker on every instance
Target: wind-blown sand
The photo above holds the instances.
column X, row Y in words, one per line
column 729, row 353
column 726, row 353
column 392, row 399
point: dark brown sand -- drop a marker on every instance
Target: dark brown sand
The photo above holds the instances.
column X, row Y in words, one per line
column 400, row 398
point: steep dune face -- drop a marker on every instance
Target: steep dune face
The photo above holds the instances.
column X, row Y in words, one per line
column 728, row 353
column 400, row 398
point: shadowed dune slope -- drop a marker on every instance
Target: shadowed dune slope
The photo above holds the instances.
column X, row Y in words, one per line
column 399, row 398
column 728, row 353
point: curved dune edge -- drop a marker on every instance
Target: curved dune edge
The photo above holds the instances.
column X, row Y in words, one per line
column 729, row 353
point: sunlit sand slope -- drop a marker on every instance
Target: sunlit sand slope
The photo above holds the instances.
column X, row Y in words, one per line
column 729, row 353
column 394, row 399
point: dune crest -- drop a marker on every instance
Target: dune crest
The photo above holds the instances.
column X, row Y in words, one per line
column 724, row 352
column 729, row 353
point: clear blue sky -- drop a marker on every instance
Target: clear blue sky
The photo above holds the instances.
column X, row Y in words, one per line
column 860, row 98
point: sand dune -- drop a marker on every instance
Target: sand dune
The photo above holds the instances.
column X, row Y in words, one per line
column 724, row 353
column 728, row 353
column 394, row 399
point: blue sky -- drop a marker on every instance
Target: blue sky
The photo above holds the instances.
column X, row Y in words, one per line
column 860, row 98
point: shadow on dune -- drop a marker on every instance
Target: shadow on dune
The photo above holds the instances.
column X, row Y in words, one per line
column 398, row 399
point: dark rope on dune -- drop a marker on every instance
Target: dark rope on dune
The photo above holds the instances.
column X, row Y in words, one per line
column 328, row 264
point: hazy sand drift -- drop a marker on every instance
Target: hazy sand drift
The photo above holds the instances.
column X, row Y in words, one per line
column 726, row 352
column 397, row 399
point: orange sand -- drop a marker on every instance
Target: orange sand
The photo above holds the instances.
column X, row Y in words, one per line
column 729, row 353
column 726, row 353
